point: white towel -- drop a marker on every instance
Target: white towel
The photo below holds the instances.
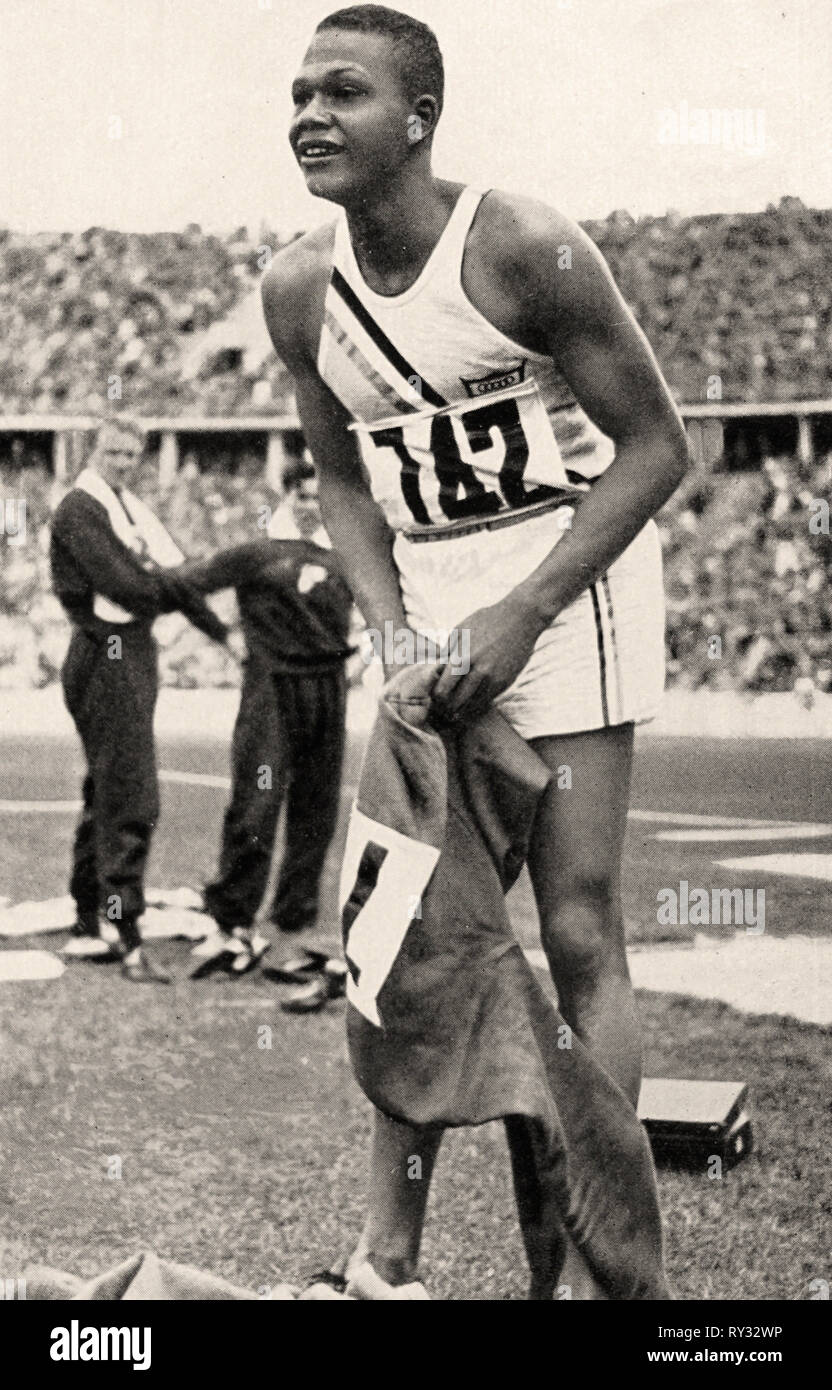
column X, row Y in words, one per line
column 136, row 527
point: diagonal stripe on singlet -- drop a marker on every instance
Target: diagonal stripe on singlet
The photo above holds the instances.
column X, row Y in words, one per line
column 380, row 338
column 367, row 370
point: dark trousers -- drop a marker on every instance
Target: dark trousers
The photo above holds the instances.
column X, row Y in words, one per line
column 288, row 745
column 110, row 690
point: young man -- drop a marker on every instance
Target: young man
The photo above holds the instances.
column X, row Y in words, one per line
column 465, row 368
column 295, row 610
column 110, row 557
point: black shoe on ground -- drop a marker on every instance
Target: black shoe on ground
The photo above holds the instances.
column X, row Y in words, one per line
column 330, row 984
column 298, row 967
column 236, row 952
column 217, row 952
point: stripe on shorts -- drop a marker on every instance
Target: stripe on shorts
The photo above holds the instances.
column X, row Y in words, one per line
column 614, row 653
column 602, row 655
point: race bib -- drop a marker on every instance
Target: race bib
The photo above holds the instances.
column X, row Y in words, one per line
column 470, row 460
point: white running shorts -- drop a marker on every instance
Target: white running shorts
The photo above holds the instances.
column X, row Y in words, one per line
column 602, row 660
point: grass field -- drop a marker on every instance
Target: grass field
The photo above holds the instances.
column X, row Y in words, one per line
column 249, row 1162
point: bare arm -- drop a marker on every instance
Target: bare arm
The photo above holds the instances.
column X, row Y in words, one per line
column 606, row 359
column 355, row 523
column 579, row 317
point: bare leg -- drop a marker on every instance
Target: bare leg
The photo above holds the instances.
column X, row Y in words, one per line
column 402, row 1164
column 575, row 864
column 575, row 867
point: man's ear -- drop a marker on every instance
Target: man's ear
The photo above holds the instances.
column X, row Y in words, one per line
column 423, row 118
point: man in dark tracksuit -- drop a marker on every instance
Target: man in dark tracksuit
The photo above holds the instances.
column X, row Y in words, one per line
column 107, row 553
column 288, row 742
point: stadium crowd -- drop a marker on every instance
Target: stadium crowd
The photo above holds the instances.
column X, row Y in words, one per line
column 745, row 297
column 742, row 298
column 79, row 311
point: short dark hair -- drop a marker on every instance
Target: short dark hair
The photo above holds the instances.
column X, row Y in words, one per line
column 416, row 46
column 297, row 472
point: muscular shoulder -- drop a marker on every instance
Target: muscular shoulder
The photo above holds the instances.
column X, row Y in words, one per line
column 523, row 230
column 293, row 293
column 529, row 246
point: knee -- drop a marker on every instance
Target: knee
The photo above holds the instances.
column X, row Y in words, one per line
column 582, row 929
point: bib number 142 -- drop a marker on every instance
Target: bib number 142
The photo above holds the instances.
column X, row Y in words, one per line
column 461, row 492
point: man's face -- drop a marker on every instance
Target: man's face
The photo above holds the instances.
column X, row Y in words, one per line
column 305, row 508
column 117, row 456
column 349, row 130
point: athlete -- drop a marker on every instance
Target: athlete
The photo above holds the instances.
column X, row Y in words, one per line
column 493, row 436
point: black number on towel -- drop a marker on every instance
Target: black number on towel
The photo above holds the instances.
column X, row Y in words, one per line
column 366, row 879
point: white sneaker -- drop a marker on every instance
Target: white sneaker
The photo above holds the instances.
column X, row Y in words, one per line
column 254, row 947
column 219, row 951
column 215, row 942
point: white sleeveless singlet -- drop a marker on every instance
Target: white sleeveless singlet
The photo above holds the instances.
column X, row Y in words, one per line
column 457, row 424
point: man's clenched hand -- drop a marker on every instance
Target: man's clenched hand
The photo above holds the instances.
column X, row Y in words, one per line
column 502, row 638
